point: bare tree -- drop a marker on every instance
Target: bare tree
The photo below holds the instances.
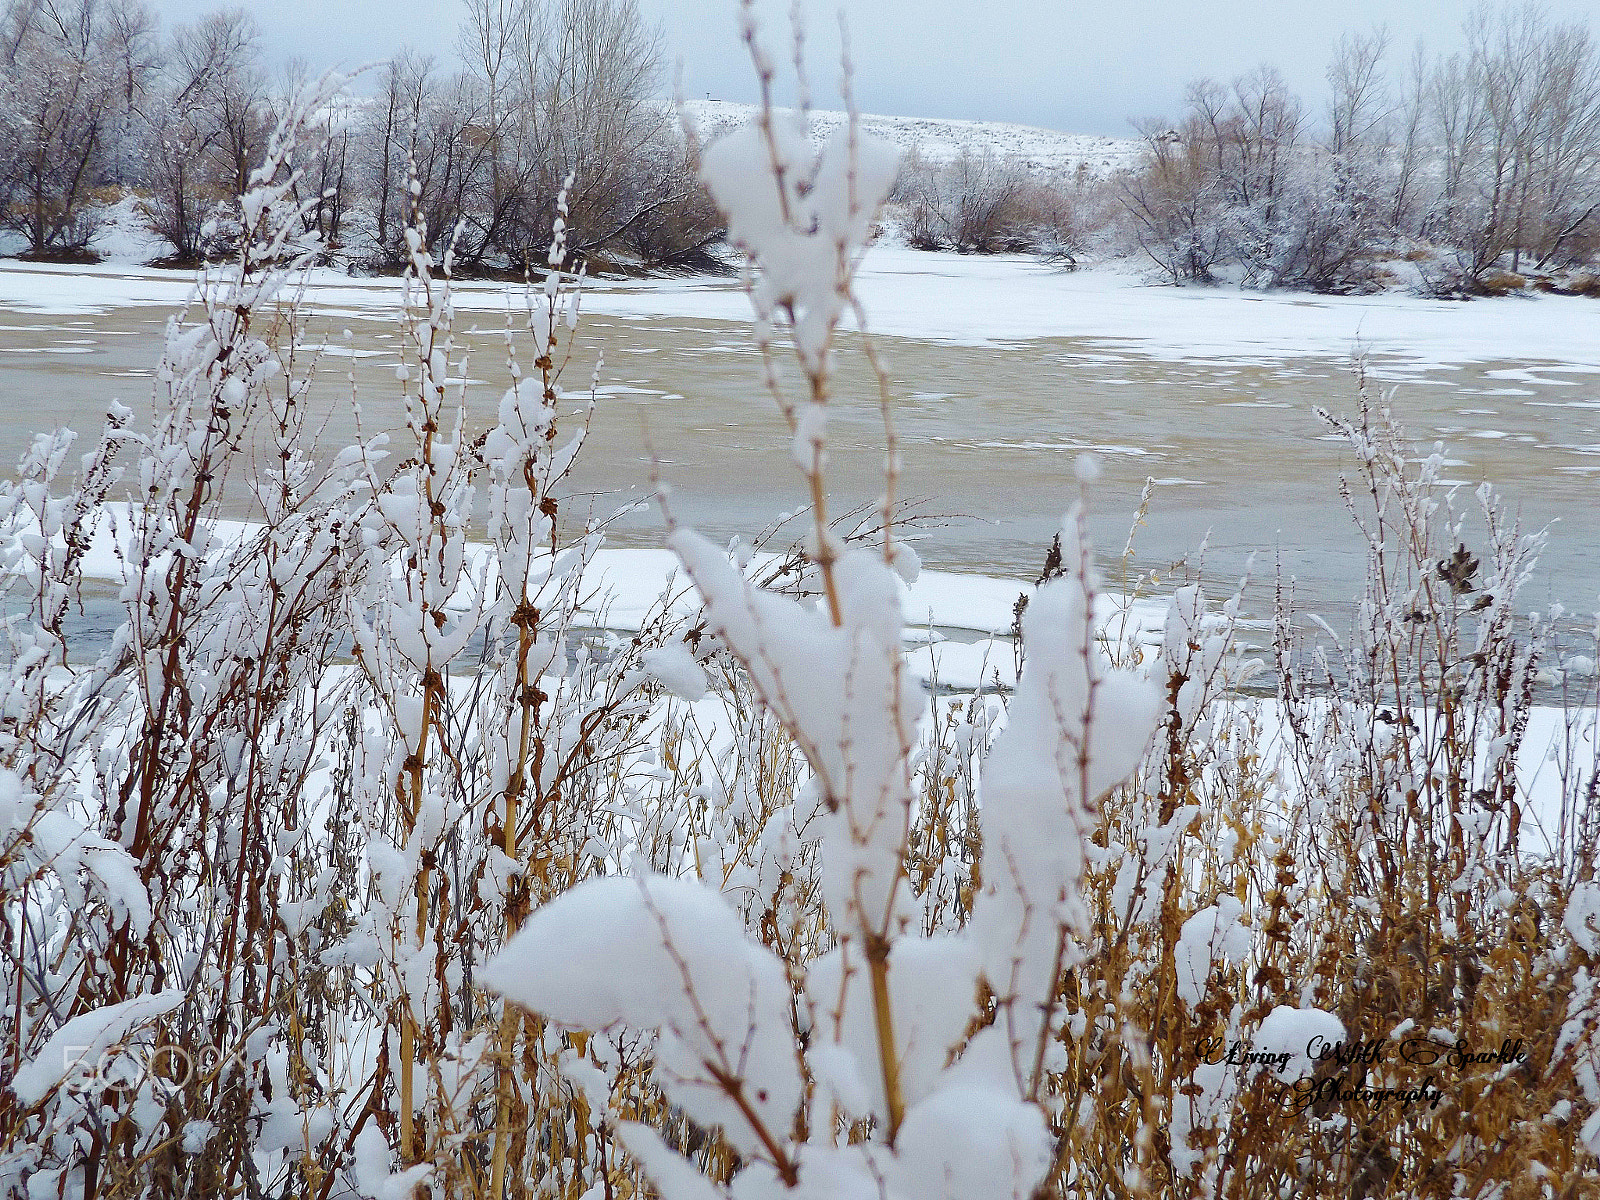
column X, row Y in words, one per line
column 57, row 104
column 447, row 164
column 241, row 111
column 1559, row 194
column 1359, row 109
column 487, row 40
column 131, row 51
column 1239, row 148
column 1328, row 236
column 1505, row 55
column 1410, row 145
column 1261, row 133
column 208, row 127
column 1237, row 182
column 327, row 182
column 387, row 138
column 1516, row 120
column 1244, row 141
column 1172, row 200
column 587, row 105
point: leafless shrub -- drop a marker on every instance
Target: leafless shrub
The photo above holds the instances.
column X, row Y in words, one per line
column 1173, row 203
column 983, row 203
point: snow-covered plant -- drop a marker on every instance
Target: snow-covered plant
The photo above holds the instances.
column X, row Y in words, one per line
column 882, row 1059
column 410, row 627
column 983, row 203
column 487, row 768
column 154, row 790
column 1359, row 862
column 220, row 945
column 1325, row 233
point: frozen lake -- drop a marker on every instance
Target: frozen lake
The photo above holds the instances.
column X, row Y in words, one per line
column 1003, row 371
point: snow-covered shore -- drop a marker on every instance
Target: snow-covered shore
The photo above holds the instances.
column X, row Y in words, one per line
column 969, row 300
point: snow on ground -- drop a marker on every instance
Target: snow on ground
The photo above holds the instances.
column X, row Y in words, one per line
column 968, row 300
column 125, row 234
column 939, row 141
column 963, row 299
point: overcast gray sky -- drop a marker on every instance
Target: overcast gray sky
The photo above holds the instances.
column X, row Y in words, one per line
column 1083, row 67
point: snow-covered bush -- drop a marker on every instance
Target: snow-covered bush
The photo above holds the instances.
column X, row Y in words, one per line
column 1357, row 861
column 223, row 842
column 1173, row 204
column 879, row 1019
column 1238, row 184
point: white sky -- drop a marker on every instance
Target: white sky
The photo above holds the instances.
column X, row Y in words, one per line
column 1085, row 67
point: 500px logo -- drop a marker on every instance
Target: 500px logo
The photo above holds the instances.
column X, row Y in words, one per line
column 130, row 1067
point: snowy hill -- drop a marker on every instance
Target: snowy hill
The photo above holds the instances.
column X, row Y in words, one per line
column 941, row 140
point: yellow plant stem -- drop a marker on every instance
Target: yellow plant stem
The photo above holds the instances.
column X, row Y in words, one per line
column 878, row 971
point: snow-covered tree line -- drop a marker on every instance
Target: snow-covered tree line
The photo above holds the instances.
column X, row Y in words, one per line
column 1468, row 168
column 94, row 98
column 361, row 861
column 1474, row 169
column 1475, row 166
